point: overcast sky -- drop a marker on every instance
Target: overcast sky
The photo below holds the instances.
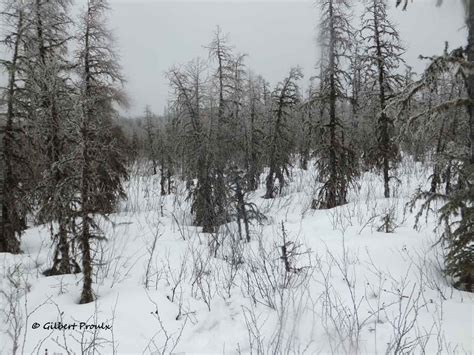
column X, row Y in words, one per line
column 152, row 35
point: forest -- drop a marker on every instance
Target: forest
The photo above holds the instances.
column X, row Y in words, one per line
column 249, row 217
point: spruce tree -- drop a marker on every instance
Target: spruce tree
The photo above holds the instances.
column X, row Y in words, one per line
column 254, row 135
column 457, row 213
column 190, row 94
column 13, row 16
column 381, row 60
column 337, row 163
column 284, row 99
column 48, row 91
column 99, row 162
column 150, row 130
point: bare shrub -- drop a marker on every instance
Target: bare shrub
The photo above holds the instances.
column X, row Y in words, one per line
column 163, row 342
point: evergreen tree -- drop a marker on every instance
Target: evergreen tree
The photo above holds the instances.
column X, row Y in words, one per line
column 99, row 162
column 13, row 17
column 150, row 129
column 48, row 92
column 188, row 84
column 254, row 135
column 224, row 124
column 381, row 60
column 284, row 98
column 337, row 163
column 457, row 212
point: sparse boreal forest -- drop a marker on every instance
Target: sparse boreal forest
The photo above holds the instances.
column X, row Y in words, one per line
column 249, row 217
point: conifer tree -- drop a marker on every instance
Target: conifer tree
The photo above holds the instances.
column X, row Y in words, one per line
column 11, row 219
column 284, row 98
column 337, row 164
column 381, row 60
column 457, row 213
column 150, row 129
column 48, row 91
column 188, row 84
column 224, row 123
column 254, row 135
column 100, row 163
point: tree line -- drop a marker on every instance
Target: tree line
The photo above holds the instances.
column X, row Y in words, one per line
column 227, row 132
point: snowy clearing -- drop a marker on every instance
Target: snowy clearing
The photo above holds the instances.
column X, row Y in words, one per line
column 346, row 287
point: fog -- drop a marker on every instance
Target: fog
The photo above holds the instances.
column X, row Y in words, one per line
column 152, row 35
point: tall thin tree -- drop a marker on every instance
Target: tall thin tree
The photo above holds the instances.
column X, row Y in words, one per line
column 382, row 59
column 336, row 162
column 99, row 162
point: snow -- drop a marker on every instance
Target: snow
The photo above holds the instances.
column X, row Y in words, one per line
column 357, row 290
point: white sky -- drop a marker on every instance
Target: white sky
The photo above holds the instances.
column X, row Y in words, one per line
column 152, row 35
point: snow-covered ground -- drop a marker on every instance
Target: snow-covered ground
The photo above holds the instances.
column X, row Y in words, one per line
column 160, row 289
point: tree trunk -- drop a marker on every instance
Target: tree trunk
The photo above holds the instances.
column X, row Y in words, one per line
column 470, row 78
column 65, row 264
column 383, row 124
column 87, row 295
column 436, row 179
column 274, row 167
column 331, row 200
column 162, row 178
column 269, row 183
column 168, row 174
